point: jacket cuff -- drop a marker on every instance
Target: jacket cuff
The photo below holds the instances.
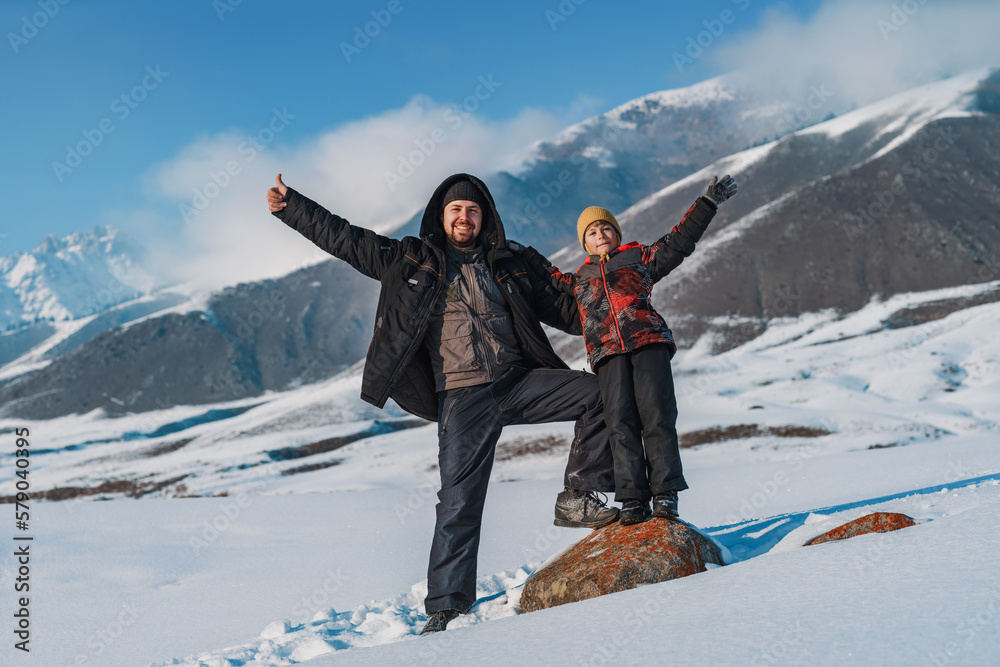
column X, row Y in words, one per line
column 290, row 198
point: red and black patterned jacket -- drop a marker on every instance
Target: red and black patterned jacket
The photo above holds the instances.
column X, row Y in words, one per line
column 613, row 295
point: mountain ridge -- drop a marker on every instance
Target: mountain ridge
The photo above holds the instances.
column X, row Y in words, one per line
column 838, row 172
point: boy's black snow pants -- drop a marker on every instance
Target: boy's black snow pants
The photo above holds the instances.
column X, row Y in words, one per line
column 470, row 420
column 640, row 408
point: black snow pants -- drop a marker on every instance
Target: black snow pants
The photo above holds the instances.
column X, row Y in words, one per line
column 470, row 420
column 640, row 409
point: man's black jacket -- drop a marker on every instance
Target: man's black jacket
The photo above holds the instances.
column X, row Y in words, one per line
column 411, row 271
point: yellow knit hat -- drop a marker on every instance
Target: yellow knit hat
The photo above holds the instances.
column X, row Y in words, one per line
column 593, row 214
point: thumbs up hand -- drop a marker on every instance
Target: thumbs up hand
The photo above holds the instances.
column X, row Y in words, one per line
column 276, row 195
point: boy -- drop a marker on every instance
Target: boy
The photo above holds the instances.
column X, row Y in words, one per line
column 629, row 347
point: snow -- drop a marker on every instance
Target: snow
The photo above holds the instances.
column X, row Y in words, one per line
column 328, row 566
column 731, row 164
column 903, row 115
column 237, row 557
column 702, row 94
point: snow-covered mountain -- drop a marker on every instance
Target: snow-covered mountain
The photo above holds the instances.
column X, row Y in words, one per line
column 65, row 279
column 619, row 157
column 896, row 197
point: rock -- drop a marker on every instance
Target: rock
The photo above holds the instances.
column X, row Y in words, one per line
column 877, row 522
column 619, row 558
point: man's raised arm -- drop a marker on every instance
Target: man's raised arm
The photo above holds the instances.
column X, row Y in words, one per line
column 366, row 251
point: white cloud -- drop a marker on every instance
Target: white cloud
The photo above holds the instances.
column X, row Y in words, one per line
column 864, row 51
column 229, row 235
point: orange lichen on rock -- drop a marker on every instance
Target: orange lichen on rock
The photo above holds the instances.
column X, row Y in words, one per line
column 618, row 558
column 877, row 522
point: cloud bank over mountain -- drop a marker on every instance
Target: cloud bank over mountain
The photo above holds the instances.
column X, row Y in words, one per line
column 862, row 51
column 377, row 172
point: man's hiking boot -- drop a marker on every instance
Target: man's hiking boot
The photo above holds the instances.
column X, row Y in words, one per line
column 633, row 511
column 583, row 509
column 439, row 620
column 665, row 505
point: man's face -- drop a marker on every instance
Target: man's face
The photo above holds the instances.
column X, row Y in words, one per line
column 600, row 238
column 462, row 221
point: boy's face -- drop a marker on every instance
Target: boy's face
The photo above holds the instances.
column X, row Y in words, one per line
column 600, row 238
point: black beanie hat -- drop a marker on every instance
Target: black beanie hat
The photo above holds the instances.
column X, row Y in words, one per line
column 466, row 191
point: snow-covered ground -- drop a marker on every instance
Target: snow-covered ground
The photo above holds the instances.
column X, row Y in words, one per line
column 321, row 558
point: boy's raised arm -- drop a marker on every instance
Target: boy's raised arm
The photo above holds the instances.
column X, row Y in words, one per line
column 668, row 252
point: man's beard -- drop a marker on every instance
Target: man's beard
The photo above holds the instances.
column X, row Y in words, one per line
column 462, row 245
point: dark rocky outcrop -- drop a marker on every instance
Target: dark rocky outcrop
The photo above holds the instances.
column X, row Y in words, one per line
column 830, row 222
column 252, row 338
column 619, row 558
column 877, row 522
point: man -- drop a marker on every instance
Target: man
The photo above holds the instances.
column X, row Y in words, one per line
column 458, row 340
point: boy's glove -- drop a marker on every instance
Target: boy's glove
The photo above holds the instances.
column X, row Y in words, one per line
column 719, row 192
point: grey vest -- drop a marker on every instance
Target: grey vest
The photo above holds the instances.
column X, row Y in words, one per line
column 471, row 337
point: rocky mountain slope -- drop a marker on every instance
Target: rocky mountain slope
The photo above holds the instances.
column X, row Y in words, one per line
column 240, row 342
column 899, row 196
column 617, row 158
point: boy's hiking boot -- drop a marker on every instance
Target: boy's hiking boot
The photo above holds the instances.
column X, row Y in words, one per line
column 633, row 511
column 583, row 509
column 665, row 505
column 438, row 620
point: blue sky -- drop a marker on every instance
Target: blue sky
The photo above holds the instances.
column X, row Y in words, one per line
column 225, row 66
column 163, row 95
